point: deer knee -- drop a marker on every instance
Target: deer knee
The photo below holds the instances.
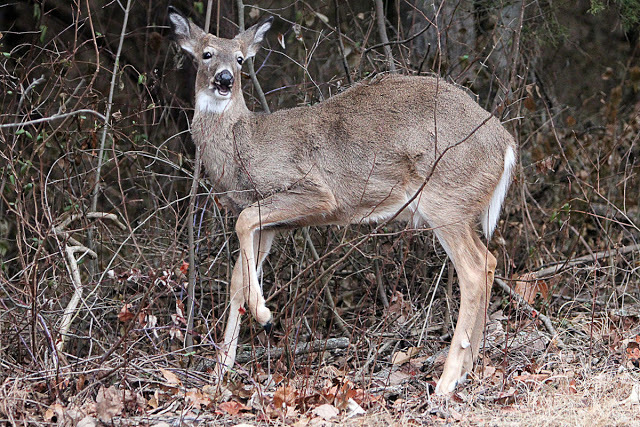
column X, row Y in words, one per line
column 245, row 225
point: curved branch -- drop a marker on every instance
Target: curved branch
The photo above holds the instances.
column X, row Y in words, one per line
column 54, row 117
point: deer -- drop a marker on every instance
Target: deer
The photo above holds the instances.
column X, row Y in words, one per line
column 404, row 148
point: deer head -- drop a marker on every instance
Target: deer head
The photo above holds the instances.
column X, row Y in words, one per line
column 219, row 61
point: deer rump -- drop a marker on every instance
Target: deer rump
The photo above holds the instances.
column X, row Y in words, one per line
column 410, row 148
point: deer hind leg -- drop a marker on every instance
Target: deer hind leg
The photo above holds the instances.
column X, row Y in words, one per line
column 227, row 351
column 489, row 264
column 474, row 267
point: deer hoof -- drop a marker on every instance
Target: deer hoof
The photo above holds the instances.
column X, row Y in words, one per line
column 446, row 386
column 268, row 327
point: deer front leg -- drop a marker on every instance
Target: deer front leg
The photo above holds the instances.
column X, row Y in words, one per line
column 228, row 349
column 302, row 207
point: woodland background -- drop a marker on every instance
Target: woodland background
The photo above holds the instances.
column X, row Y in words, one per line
column 103, row 235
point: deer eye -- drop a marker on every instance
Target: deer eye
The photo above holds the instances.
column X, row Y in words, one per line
column 206, row 55
column 240, row 60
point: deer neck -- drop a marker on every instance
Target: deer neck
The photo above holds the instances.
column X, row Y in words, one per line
column 222, row 138
column 214, row 118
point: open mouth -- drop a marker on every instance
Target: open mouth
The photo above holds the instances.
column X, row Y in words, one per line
column 222, row 90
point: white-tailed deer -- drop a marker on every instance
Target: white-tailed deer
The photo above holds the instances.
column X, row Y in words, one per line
column 415, row 148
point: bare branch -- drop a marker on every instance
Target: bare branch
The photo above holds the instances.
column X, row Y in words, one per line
column 382, row 30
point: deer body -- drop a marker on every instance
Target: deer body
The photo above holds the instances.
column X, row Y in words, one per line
column 410, row 148
column 252, row 155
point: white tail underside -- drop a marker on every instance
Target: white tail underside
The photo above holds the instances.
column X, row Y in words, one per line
column 491, row 215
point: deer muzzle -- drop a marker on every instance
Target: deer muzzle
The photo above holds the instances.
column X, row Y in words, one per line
column 223, row 82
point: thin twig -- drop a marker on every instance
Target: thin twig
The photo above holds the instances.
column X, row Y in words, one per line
column 191, row 286
column 29, row 88
column 548, row 272
column 96, row 185
column 325, row 284
column 52, row 118
column 528, row 308
column 71, row 247
column 345, row 64
column 395, row 42
column 103, row 138
column 207, row 18
column 252, row 71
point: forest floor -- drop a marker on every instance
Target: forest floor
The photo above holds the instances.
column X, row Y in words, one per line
column 528, row 378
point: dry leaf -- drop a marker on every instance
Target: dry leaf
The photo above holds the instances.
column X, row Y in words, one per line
column 527, row 286
column 125, row 314
column 545, row 165
column 530, row 103
column 634, row 397
column 80, row 382
column 254, row 13
column 154, row 400
column 108, row 403
column 488, row 371
column 322, row 17
column 87, row 421
column 354, row 409
column 172, row 379
column 326, row 411
column 339, row 394
column 232, row 407
column 400, row 308
column 180, row 311
column 281, row 40
column 184, row 268
column 633, row 351
column 398, row 377
column 175, row 333
column 401, row 357
column 285, row 397
column 297, row 30
column 54, row 413
column 195, row 397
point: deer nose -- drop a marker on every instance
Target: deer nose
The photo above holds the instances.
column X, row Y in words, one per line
column 224, row 78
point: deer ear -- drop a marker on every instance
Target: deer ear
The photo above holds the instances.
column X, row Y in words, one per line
column 186, row 33
column 254, row 36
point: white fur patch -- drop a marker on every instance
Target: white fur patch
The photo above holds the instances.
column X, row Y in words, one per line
column 383, row 213
column 212, row 103
column 492, row 213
